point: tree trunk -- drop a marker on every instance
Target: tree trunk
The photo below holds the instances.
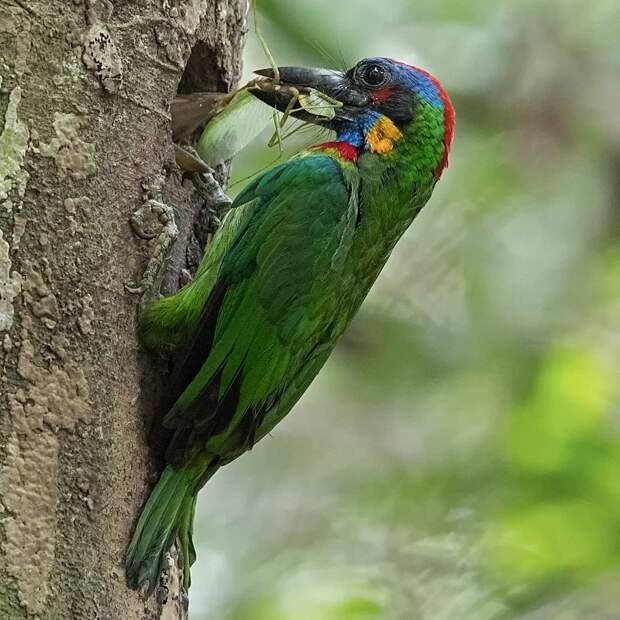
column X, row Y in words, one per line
column 84, row 102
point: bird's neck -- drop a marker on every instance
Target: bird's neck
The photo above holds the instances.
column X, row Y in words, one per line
column 421, row 155
column 417, row 152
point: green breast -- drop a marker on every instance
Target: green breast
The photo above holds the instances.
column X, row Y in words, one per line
column 393, row 189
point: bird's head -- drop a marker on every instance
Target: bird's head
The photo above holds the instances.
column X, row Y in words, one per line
column 381, row 100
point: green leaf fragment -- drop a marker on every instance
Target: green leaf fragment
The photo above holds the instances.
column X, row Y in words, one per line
column 233, row 128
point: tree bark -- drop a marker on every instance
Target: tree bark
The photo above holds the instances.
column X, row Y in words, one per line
column 84, row 109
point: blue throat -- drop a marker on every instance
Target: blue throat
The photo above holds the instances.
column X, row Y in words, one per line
column 354, row 132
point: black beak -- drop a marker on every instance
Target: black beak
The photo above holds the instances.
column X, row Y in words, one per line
column 334, row 84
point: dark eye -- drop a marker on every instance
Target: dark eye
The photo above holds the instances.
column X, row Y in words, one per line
column 372, row 75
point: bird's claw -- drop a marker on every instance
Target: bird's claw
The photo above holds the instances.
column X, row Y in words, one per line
column 211, row 191
column 134, row 289
column 161, row 212
column 148, row 288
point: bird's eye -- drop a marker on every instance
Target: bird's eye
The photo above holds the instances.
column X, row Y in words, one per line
column 372, row 75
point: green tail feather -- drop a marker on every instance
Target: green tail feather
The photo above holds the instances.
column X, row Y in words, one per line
column 169, row 512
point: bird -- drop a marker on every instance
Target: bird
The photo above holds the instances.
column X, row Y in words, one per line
column 282, row 278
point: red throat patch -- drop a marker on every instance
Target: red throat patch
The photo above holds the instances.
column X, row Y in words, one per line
column 345, row 149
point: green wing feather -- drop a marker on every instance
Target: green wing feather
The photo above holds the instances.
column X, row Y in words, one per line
column 274, row 301
column 257, row 323
column 170, row 323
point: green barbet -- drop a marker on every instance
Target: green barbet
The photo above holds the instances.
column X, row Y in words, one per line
column 283, row 277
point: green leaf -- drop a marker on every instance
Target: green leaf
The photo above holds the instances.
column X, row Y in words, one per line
column 233, row 128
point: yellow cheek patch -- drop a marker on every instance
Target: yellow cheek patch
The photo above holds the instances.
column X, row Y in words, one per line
column 382, row 136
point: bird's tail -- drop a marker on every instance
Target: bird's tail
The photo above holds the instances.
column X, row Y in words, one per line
column 168, row 513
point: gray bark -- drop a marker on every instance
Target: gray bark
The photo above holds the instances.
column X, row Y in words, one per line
column 84, row 125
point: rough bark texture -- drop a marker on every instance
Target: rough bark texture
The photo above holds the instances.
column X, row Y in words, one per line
column 84, row 124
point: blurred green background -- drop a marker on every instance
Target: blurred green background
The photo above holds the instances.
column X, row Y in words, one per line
column 459, row 455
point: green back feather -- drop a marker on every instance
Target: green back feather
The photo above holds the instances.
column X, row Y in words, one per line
column 283, row 278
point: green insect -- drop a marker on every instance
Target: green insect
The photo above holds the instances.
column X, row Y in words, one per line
column 284, row 275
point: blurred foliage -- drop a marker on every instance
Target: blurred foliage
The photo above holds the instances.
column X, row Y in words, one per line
column 459, row 456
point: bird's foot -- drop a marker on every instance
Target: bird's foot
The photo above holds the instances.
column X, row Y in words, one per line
column 156, row 211
column 215, row 205
column 215, row 201
column 211, row 191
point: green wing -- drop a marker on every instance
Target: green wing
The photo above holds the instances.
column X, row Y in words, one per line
column 170, row 323
column 271, row 308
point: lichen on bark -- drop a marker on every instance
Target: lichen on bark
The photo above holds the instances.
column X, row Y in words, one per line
column 10, row 286
column 53, row 399
column 13, row 176
column 13, row 144
column 71, row 153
